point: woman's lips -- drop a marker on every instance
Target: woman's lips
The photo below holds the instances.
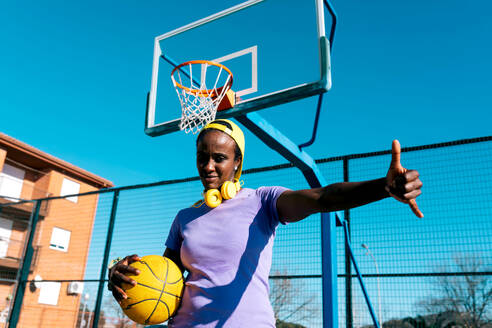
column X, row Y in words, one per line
column 210, row 179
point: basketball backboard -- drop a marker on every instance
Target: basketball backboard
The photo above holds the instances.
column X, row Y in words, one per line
column 277, row 51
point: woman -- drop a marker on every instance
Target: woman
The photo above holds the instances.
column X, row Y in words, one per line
column 227, row 250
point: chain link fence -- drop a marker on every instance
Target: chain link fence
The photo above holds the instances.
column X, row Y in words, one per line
column 435, row 271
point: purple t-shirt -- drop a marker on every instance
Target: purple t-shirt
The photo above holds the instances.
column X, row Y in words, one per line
column 228, row 253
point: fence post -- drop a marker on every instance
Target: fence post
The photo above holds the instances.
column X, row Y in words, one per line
column 26, row 265
column 329, row 270
column 349, row 320
column 104, row 265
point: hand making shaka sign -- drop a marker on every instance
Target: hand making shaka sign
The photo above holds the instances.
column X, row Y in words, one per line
column 402, row 184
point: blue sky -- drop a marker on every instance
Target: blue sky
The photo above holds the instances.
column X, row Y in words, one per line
column 74, row 77
column 418, row 71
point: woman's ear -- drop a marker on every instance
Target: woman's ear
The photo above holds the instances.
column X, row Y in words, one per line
column 237, row 162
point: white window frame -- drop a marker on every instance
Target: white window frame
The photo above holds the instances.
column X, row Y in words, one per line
column 70, row 187
column 49, row 293
column 5, row 233
column 11, row 182
column 60, row 239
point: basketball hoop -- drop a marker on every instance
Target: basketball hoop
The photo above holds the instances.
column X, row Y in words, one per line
column 202, row 95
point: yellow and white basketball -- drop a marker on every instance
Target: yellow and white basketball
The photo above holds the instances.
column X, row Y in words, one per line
column 158, row 292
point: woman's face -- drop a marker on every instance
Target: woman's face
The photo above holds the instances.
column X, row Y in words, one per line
column 215, row 159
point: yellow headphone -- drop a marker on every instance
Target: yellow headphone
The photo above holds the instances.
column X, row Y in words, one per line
column 229, row 189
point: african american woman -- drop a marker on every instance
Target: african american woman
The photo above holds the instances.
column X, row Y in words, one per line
column 225, row 241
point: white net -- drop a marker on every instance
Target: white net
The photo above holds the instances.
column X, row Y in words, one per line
column 200, row 95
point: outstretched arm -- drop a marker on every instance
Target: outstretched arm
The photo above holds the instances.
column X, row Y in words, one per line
column 400, row 183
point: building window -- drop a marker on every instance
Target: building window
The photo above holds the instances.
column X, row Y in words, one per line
column 70, row 187
column 60, row 239
column 49, row 292
column 5, row 232
column 11, row 179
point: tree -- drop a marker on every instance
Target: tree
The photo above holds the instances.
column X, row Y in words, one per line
column 442, row 320
column 118, row 317
column 467, row 298
column 418, row 322
column 290, row 302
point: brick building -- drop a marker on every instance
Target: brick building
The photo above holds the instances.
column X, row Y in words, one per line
column 62, row 236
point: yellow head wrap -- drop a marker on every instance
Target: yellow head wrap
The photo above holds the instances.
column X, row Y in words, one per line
column 232, row 130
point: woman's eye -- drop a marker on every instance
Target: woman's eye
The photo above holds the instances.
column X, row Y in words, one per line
column 219, row 159
column 201, row 158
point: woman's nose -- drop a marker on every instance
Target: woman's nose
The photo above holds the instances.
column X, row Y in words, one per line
column 209, row 165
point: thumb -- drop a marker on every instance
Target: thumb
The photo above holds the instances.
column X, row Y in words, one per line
column 396, row 154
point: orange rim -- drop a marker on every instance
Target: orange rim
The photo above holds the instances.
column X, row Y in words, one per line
column 202, row 93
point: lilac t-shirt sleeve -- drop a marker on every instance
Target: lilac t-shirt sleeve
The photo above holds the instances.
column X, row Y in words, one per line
column 269, row 196
column 174, row 239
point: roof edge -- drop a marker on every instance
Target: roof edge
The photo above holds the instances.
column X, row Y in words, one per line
column 54, row 161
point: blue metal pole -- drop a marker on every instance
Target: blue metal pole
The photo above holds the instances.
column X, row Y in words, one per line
column 104, row 265
column 276, row 140
column 329, row 270
column 316, row 121
column 333, row 14
column 320, row 99
column 26, row 265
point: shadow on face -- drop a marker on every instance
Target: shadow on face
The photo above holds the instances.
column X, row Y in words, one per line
column 216, row 158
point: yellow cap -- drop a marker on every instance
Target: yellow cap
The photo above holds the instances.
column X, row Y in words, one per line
column 232, row 130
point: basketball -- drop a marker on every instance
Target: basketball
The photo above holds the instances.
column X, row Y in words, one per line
column 158, row 292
